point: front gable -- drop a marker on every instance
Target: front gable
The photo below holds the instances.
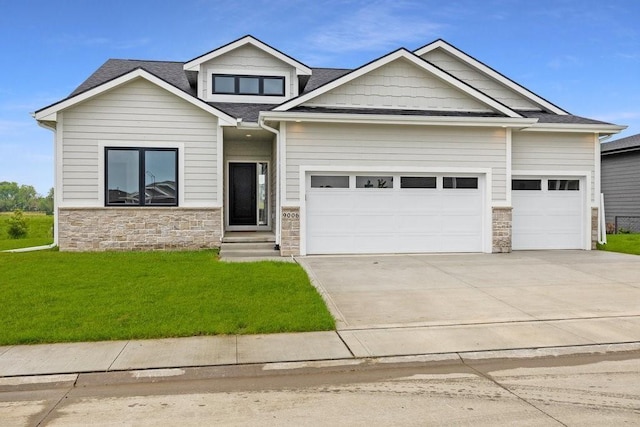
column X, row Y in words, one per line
column 401, row 81
column 399, row 85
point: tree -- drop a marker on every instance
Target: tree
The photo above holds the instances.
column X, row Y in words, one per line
column 17, row 225
column 14, row 196
column 45, row 204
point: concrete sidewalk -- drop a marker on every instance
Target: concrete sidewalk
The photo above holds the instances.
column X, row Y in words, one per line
column 429, row 306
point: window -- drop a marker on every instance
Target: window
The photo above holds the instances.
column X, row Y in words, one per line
column 374, row 182
column 320, row 181
column 417, row 182
column 564, row 184
column 141, row 176
column 459, row 182
column 247, row 85
column 526, row 184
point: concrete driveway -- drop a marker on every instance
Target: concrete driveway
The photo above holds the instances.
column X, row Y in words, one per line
column 417, row 304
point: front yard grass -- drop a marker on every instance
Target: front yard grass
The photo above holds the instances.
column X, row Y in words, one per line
column 625, row 243
column 51, row 296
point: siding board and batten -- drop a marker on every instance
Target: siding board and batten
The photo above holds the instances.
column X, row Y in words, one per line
column 621, row 185
column 143, row 115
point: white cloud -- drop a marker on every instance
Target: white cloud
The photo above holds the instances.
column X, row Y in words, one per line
column 374, row 26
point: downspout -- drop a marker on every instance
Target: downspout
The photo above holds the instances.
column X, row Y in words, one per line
column 55, row 177
column 278, row 166
column 602, row 222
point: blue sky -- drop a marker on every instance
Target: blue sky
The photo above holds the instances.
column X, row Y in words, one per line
column 582, row 55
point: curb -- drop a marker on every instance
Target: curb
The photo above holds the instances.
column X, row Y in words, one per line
column 230, row 372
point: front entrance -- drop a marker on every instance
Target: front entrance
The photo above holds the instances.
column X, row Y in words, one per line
column 248, row 196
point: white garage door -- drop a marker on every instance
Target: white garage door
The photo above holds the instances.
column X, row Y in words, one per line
column 351, row 214
column 548, row 213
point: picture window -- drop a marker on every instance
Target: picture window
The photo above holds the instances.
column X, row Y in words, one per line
column 141, row 177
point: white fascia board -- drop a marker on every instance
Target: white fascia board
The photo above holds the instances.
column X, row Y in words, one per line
column 47, row 113
column 491, row 73
column 292, row 116
column 417, row 61
column 566, row 127
column 194, row 64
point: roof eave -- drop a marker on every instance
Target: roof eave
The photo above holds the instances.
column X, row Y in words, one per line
column 305, row 116
column 605, row 129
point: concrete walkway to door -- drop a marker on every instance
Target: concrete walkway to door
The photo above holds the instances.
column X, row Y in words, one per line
column 441, row 303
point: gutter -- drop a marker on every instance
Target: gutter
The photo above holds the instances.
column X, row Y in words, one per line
column 278, row 173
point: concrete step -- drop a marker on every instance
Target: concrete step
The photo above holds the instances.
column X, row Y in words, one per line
column 248, row 251
column 249, row 238
column 265, row 246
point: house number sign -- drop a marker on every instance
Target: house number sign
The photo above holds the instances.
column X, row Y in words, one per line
column 290, row 215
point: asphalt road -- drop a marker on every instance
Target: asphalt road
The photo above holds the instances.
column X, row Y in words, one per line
column 601, row 389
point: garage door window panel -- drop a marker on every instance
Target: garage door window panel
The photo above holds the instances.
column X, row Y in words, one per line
column 329, row 181
column 418, row 182
column 451, row 182
column 526, row 184
column 374, row 181
column 563, row 185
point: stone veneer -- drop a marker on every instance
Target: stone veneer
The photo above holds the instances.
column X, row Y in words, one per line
column 594, row 228
column 290, row 231
column 124, row 229
column 501, row 236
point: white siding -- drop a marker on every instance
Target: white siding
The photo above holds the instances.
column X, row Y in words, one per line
column 542, row 151
column 247, row 60
column 479, row 80
column 142, row 114
column 400, row 85
column 394, row 146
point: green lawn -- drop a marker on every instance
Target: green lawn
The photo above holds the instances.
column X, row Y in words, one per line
column 39, row 231
column 50, row 296
column 625, row 243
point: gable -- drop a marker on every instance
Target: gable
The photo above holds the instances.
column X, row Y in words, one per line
column 248, row 58
column 399, row 85
column 479, row 80
column 49, row 113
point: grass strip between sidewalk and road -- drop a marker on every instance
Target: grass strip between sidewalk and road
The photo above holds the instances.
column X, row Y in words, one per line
column 623, row 243
column 51, row 296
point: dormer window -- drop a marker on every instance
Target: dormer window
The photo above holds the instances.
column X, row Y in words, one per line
column 226, row 84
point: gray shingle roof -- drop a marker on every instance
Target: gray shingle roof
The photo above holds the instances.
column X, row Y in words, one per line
column 174, row 74
column 171, row 72
column 247, row 112
column 391, row 111
column 545, row 117
column 630, row 143
column 322, row 76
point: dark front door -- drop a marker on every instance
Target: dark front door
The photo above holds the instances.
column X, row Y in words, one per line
column 242, row 194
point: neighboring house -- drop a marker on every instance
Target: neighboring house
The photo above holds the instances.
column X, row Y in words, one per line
column 423, row 151
column 620, row 165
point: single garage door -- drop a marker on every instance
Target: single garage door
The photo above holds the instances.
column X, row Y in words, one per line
column 547, row 213
column 361, row 213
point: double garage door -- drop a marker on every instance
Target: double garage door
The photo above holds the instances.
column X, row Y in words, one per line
column 351, row 213
column 548, row 213
column 394, row 213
